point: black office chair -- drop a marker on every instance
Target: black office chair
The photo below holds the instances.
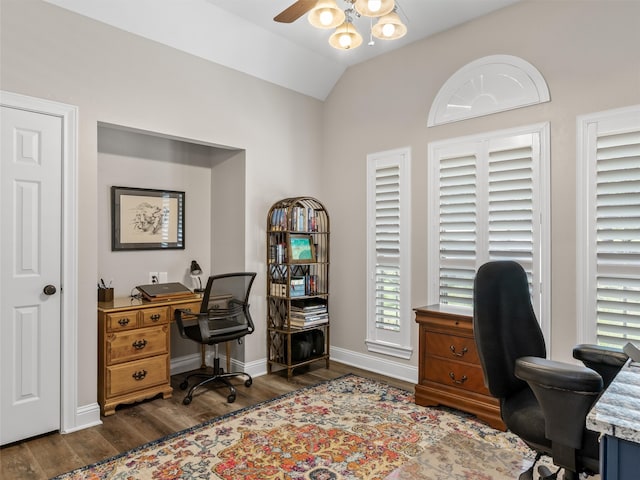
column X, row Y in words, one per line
column 224, row 316
column 544, row 402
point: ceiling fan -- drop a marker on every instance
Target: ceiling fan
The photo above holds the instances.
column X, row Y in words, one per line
column 326, row 14
column 295, row 11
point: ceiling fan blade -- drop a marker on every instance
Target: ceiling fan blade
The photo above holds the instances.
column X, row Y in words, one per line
column 295, row 11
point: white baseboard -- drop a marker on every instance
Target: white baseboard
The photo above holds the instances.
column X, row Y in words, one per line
column 187, row 363
column 376, row 364
column 257, row 368
column 86, row 416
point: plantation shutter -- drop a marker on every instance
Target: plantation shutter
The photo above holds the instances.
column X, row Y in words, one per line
column 458, row 229
column 617, row 225
column 488, row 208
column 510, row 207
column 387, row 247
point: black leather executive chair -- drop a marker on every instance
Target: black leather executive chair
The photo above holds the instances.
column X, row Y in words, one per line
column 544, row 402
column 224, row 316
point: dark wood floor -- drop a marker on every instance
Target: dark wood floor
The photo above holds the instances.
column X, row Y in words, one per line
column 133, row 425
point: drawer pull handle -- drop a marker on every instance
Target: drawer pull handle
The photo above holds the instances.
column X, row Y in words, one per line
column 139, row 344
column 459, row 382
column 155, row 317
column 461, row 354
column 139, row 375
column 123, row 322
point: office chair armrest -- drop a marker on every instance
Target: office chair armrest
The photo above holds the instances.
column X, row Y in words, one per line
column 565, row 393
column 604, row 360
column 181, row 317
column 560, row 375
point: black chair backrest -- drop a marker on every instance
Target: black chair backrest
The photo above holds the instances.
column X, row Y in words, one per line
column 229, row 291
column 504, row 324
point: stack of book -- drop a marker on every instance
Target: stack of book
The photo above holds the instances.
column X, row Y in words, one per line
column 307, row 313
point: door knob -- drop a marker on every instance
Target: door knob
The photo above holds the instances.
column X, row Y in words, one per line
column 49, row 290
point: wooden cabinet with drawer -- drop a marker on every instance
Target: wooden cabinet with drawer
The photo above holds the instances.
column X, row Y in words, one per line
column 449, row 370
column 133, row 350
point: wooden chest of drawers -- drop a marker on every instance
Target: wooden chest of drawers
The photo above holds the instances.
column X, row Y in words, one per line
column 449, row 370
column 133, row 350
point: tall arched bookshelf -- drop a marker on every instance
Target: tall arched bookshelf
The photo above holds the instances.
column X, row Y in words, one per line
column 297, row 284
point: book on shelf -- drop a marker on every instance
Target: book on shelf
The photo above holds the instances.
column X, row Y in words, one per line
column 297, row 287
column 279, row 289
column 277, row 253
column 309, row 304
column 294, row 323
column 303, row 219
column 309, row 320
column 308, row 311
column 300, row 219
column 279, row 219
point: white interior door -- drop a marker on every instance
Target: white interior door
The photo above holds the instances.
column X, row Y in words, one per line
column 30, row 273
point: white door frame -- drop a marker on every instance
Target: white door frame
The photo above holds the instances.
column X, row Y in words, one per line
column 69, row 420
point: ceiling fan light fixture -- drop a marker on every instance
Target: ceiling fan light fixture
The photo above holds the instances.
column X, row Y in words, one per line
column 389, row 27
column 346, row 37
column 326, row 14
column 374, row 8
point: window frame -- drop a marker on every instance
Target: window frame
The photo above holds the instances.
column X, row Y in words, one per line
column 388, row 342
column 541, row 237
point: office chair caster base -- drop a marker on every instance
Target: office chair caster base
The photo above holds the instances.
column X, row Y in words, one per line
column 231, row 398
column 184, row 385
column 248, row 382
column 527, row 474
column 186, row 400
column 546, row 474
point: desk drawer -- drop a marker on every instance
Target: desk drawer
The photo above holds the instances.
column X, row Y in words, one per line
column 138, row 375
column 135, row 344
column 193, row 307
column 452, row 347
column 462, row 375
column 154, row 316
column 121, row 321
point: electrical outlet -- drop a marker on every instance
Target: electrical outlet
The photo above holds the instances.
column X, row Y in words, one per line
column 153, row 277
column 163, row 277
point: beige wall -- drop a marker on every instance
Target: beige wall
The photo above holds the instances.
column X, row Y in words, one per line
column 118, row 78
column 589, row 54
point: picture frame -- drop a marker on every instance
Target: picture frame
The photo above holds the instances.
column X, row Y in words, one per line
column 147, row 219
column 301, row 248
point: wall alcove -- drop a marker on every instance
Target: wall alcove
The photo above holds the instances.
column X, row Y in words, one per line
column 213, row 179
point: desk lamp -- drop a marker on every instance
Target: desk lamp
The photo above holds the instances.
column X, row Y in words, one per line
column 195, row 272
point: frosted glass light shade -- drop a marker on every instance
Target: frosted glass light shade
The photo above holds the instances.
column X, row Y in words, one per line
column 326, row 14
column 389, row 27
column 367, row 7
column 346, row 37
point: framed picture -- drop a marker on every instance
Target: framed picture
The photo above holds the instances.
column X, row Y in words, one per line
column 301, row 248
column 145, row 219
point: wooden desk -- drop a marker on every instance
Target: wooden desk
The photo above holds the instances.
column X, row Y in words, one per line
column 134, row 349
column 449, row 370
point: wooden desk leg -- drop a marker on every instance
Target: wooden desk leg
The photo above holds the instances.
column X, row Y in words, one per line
column 228, row 346
column 203, row 356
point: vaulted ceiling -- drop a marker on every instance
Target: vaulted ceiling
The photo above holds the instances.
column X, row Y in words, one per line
column 242, row 35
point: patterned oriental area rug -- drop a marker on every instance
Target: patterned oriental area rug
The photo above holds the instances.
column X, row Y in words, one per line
column 347, row 428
